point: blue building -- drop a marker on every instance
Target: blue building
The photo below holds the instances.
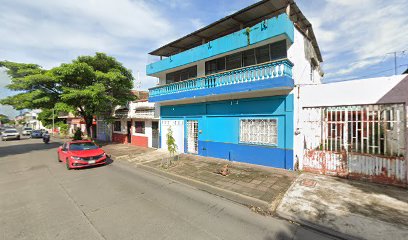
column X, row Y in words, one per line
column 229, row 90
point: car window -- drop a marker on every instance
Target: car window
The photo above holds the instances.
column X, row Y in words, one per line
column 82, row 146
column 10, row 131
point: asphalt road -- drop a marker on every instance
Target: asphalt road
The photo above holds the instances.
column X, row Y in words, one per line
column 40, row 199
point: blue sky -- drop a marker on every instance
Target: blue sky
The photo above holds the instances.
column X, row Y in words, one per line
column 354, row 35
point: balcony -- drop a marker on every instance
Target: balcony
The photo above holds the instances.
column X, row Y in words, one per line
column 280, row 26
column 270, row 75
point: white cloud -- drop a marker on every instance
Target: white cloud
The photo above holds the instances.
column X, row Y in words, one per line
column 51, row 32
column 356, row 34
column 197, row 23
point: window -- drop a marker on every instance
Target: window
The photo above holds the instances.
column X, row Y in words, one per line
column 234, row 61
column 249, row 57
column 262, row 54
column 246, row 58
column 181, row 75
column 278, row 50
column 82, row 146
column 117, row 126
column 140, row 127
column 259, row 131
column 214, row 66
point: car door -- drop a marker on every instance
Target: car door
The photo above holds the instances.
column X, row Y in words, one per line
column 64, row 152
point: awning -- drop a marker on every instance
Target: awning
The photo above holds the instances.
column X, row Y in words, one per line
column 246, row 17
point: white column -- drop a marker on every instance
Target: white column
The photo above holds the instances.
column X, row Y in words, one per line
column 148, row 132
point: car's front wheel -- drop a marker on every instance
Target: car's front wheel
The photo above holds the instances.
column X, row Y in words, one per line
column 67, row 164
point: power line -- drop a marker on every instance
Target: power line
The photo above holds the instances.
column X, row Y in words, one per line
column 368, row 75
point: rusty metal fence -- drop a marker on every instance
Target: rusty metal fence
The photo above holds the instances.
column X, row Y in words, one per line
column 364, row 142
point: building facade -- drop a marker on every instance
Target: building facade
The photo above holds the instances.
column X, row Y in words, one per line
column 229, row 90
column 31, row 120
column 136, row 123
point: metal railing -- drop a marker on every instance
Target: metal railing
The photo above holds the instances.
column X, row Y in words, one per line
column 273, row 69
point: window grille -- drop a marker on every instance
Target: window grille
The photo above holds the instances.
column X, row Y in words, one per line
column 140, row 127
column 365, row 129
column 117, row 126
column 192, row 136
column 259, row 131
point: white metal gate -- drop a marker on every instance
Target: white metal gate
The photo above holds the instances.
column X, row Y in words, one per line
column 365, row 141
column 192, row 136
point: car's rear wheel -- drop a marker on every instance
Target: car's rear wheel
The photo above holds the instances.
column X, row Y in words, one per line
column 67, row 164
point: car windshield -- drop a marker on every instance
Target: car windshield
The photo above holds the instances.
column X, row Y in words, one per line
column 36, row 131
column 10, row 131
column 28, row 129
column 82, row 146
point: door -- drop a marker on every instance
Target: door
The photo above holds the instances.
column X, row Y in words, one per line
column 129, row 132
column 63, row 153
column 192, row 136
column 155, row 134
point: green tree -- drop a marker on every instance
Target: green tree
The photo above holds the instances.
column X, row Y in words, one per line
column 4, row 119
column 88, row 86
column 46, row 116
column 171, row 142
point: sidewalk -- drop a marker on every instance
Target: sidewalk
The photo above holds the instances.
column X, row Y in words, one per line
column 359, row 209
column 266, row 185
column 337, row 206
column 258, row 187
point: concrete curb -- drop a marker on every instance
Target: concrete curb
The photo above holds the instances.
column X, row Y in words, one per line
column 309, row 224
column 227, row 194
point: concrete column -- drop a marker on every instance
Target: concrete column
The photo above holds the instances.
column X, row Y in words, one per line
column 148, row 132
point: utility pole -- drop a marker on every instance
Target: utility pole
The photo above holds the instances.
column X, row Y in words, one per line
column 53, row 122
column 395, row 63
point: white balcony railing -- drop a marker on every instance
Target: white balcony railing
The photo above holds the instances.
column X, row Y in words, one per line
column 259, row 72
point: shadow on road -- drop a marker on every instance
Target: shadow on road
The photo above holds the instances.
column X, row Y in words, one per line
column 26, row 148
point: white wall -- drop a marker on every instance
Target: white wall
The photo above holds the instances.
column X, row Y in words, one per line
column 302, row 67
column 123, row 126
column 148, row 130
column 178, row 133
column 355, row 92
column 301, row 76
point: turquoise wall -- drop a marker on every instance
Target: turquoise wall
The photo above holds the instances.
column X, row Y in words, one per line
column 219, row 126
column 267, row 29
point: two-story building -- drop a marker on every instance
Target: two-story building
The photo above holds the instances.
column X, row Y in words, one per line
column 229, row 90
column 136, row 123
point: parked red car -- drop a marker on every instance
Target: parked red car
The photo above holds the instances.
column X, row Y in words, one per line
column 80, row 154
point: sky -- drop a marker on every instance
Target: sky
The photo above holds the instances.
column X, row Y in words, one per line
column 356, row 37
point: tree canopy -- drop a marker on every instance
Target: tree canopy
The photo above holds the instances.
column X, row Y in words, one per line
column 4, row 119
column 88, row 86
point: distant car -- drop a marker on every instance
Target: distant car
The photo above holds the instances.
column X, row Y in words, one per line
column 26, row 131
column 36, row 134
column 10, row 133
column 80, row 154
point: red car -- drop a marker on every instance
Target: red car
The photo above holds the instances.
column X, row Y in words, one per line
column 80, row 154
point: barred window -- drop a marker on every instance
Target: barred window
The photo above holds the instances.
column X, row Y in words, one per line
column 259, row 131
column 117, row 126
column 140, row 127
